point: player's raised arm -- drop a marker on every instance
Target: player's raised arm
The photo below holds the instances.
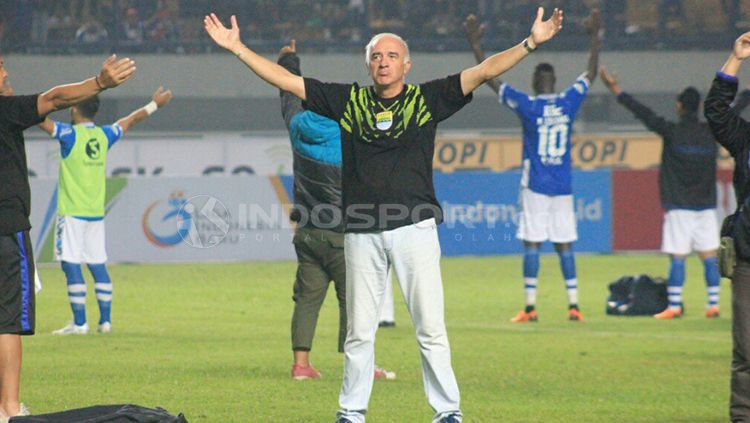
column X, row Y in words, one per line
column 643, row 113
column 229, row 38
column 114, row 72
column 497, row 64
column 610, row 81
column 48, row 126
column 290, row 104
column 593, row 26
column 474, row 32
column 160, row 99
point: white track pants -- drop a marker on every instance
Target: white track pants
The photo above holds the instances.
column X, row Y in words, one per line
column 387, row 311
column 414, row 252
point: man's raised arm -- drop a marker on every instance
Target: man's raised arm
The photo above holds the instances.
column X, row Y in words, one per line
column 729, row 129
column 290, row 104
column 474, row 32
column 653, row 121
column 114, row 72
column 497, row 64
column 593, row 27
column 159, row 99
column 229, row 38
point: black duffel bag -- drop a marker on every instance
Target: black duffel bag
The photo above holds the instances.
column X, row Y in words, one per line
column 637, row 296
column 122, row 413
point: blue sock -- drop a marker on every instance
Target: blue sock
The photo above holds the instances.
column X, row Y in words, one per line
column 530, row 273
column 531, row 262
column 76, row 291
column 713, row 280
column 103, row 286
column 568, row 266
column 675, row 282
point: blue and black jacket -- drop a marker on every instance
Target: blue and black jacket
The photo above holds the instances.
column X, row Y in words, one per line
column 316, row 146
column 687, row 173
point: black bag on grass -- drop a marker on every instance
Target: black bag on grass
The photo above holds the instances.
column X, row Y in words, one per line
column 637, row 296
column 122, row 413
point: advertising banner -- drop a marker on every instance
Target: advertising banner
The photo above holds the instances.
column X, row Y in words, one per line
column 226, row 218
column 183, row 219
column 481, row 212
column 215, row 154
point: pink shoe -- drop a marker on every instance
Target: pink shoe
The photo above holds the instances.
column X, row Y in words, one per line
column 302, row 373
column 383, row 374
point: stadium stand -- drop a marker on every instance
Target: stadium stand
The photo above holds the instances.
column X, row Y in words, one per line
column 93, row 27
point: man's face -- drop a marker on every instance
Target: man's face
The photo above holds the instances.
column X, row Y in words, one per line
column 387, row 62
column 3, row 75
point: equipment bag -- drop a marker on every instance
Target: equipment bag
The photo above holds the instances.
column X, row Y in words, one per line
column 637, row 296
column 122, row 413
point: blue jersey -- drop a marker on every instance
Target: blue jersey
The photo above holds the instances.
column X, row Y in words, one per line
column 547, row 126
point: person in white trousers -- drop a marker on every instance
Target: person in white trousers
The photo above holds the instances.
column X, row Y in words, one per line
column 387, row 317
column 390, row 208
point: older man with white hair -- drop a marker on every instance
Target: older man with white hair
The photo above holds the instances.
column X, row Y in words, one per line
column 390, row 209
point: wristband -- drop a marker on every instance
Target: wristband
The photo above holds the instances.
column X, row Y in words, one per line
column 98, row 84
column 527, row 46
column 150, row 108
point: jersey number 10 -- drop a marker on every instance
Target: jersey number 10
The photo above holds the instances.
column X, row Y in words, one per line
column 553, row 143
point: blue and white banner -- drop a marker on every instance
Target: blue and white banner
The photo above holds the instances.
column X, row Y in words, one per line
column 246, row 217
column 481, row 212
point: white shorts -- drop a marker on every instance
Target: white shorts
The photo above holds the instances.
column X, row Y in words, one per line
column 80, row 241
column 546, row 217
column 685, row 231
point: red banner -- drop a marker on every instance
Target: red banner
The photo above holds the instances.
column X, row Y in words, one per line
column 637, row 215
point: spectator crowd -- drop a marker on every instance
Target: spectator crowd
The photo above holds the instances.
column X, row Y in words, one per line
column 96, row 26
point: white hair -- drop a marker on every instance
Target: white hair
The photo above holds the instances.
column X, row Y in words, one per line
column 374, row 40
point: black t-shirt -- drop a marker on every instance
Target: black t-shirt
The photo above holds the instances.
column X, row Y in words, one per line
column 387, row 148
column 16, row 114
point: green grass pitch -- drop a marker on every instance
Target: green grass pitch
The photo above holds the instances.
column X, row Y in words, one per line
column 212, row 341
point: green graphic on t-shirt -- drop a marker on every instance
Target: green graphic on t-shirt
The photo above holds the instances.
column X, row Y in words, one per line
column 363, row 108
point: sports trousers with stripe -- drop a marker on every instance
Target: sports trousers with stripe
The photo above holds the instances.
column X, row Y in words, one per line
column 414, row 253
column 16, row 284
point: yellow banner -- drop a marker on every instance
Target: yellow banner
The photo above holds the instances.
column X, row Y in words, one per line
column 589, row 151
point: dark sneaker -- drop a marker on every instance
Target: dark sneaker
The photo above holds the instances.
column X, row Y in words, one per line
column 451, row 418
